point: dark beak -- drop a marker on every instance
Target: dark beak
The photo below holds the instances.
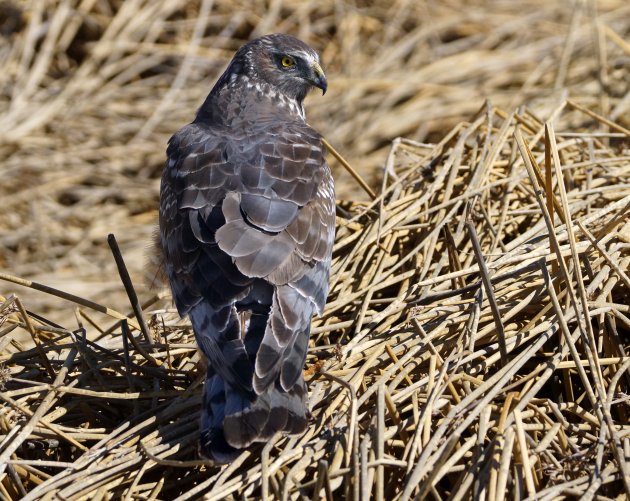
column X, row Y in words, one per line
column 318, row 78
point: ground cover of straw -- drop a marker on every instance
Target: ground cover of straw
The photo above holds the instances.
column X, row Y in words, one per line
column 474, row 343
column 475, row 340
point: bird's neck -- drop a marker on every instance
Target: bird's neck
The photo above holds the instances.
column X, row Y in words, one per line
column 244, row 98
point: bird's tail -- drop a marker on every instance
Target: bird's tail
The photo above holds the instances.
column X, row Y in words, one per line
column 233, row 419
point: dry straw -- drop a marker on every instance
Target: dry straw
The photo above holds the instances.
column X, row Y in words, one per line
column 475, row 342
column 90, row 92
column 451, row 360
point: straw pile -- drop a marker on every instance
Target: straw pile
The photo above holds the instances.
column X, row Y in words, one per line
column 475, row 339
column 91, row 91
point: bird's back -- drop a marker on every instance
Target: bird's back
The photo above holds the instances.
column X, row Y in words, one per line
column 247, row 225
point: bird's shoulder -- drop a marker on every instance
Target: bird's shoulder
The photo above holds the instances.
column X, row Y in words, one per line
column 266, row 155
column 194, row 138
column 204, row 136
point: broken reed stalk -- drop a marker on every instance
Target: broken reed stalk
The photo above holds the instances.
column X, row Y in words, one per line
column 487, row 284
column 131, row 293
column 63, row 295
column 349, row 168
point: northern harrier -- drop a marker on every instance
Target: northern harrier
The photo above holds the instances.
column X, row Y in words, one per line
column 247, row 220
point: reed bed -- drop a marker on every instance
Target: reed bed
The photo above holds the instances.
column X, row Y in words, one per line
column 474, row 345
column 90, row 92
column 475, row 340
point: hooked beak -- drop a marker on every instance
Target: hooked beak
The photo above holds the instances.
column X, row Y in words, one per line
column 318, row 78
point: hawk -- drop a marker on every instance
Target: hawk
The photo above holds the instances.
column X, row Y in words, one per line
column 247, row 222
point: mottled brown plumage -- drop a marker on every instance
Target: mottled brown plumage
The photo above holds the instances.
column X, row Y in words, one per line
column 246, row 228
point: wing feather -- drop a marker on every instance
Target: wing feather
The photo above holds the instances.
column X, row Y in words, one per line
column 247, row 222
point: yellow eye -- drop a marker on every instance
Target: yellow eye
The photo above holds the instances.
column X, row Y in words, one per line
column 287, row 62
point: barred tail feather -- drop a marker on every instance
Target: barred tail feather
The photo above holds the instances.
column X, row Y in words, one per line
column 230, row 421
column 212, row 443
column 274, row 411
column 237, row 411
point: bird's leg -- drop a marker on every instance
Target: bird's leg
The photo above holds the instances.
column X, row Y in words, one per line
column 244, row 317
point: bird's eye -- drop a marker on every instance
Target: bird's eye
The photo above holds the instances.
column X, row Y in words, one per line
column 287, row 62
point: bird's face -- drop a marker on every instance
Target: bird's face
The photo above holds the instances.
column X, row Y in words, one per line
column 286, row 63
column 295, row 72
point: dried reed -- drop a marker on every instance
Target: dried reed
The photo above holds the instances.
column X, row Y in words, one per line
column 475, row 343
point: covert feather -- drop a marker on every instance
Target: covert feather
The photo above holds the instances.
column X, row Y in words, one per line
column 247, row 217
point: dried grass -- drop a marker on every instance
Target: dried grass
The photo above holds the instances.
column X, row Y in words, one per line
column 436, row 369
column 91, row 91
column 475, row 340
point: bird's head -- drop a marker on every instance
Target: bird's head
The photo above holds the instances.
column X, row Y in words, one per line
column 286, row 63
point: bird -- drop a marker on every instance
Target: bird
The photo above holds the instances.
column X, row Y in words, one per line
column 246, row 230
